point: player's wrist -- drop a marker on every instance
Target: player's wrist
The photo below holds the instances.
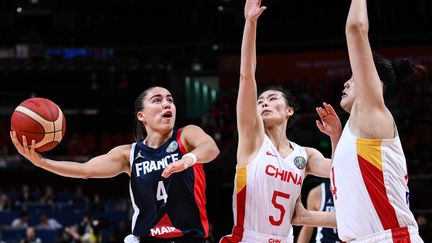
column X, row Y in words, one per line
column 192, row 158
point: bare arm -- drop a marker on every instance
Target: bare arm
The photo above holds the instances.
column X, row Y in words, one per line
column 249, row 123
column 370, row 117
column 313, row 218
column 317, row 164
column 313, row 204
column 196, row 141
column 107, row 165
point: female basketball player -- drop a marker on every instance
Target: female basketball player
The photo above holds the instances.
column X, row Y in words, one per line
column 167, row 182
column 270, row 168
column 369, row 173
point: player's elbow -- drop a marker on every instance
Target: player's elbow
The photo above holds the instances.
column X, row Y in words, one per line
column 356, row 28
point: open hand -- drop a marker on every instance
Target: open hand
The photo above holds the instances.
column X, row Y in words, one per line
column 28, row 151
column 253, row 9
column 177, row 166
column 330, row 123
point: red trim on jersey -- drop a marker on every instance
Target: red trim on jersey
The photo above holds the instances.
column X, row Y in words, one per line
column 200, row 198
column 235, row 237
column 401, row 235
column 182, row 148
column 374, row 182
column 199, row 187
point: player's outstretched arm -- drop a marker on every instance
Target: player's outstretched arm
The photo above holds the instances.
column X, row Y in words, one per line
column 107, row 165
column 249, row 124
column 313, row 218
column 200, row 146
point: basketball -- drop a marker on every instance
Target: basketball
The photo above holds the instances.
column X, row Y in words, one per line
column 41, row 120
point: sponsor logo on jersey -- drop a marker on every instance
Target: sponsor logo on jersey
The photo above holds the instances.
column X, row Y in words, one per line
column 172, row 147
column 162, row 230
column 300, row 162
column 270, row 154
column 139, row 155
column 274, row 241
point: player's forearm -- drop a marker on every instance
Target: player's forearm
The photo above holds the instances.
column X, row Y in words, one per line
column 357, row 21
column 248, row 50
column 65, row 168
column 319, row 219
column 206, row 152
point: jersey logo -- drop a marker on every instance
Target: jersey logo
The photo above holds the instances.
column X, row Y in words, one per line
column 172, row 147
column 270, row 154
column 300, row 162
column 139, row 156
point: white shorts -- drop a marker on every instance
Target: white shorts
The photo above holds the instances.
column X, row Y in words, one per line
column 249, row 236
column 404, row 234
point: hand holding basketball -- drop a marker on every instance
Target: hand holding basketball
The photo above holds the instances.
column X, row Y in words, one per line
column 40, row 120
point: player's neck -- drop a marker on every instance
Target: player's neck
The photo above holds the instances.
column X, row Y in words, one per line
column 155, row 139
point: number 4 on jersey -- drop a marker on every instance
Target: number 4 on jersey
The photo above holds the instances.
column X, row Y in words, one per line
column 161, row 192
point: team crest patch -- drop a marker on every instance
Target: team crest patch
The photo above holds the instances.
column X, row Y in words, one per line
column 172, row 147
column 300, row 162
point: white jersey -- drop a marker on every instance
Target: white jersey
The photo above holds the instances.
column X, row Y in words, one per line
column 265, row 194
column 369, row 185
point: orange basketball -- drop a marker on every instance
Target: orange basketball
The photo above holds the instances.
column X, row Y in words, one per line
column 41, row 120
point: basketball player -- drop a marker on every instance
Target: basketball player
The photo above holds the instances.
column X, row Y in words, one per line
column 270, row 168
column 369, row 174
column 167, row 182
column 319, row 199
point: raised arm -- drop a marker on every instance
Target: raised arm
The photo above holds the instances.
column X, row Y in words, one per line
column 369, row 108
column 199, row 144
column 249, row 124
column 107, row 165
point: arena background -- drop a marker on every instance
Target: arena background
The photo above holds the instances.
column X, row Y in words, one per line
column 94, row 57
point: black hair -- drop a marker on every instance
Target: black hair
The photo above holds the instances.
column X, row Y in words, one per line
column 139, row 129
column 393, row 72
column 288, row 96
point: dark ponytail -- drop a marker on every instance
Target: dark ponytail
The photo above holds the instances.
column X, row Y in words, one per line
column 393, row 73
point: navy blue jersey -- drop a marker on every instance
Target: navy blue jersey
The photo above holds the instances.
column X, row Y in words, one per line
column 166, row 208
column 327, row 235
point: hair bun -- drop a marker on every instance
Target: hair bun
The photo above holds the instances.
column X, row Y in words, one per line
column 404, row 69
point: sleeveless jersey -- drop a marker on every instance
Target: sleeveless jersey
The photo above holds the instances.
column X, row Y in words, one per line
column 326, row 235
column 265, row 193
column 171, row 207
column 369, row 184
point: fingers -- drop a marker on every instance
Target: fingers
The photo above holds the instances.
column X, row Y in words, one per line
column 329, row 109
column 262, row 10
column 320, row 125
column 321, row 112
column 175, row 167
column 167, row 171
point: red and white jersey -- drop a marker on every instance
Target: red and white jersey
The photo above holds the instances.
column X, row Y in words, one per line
column 369, row 185
column 265, row 194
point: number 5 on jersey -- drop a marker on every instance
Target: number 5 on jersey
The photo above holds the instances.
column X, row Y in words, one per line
column 161, row 193
column 279, row 206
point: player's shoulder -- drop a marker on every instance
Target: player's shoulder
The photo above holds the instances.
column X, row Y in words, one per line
column 123, row 149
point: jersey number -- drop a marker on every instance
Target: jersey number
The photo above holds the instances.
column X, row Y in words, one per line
column 161, row 192
column 281, row 208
